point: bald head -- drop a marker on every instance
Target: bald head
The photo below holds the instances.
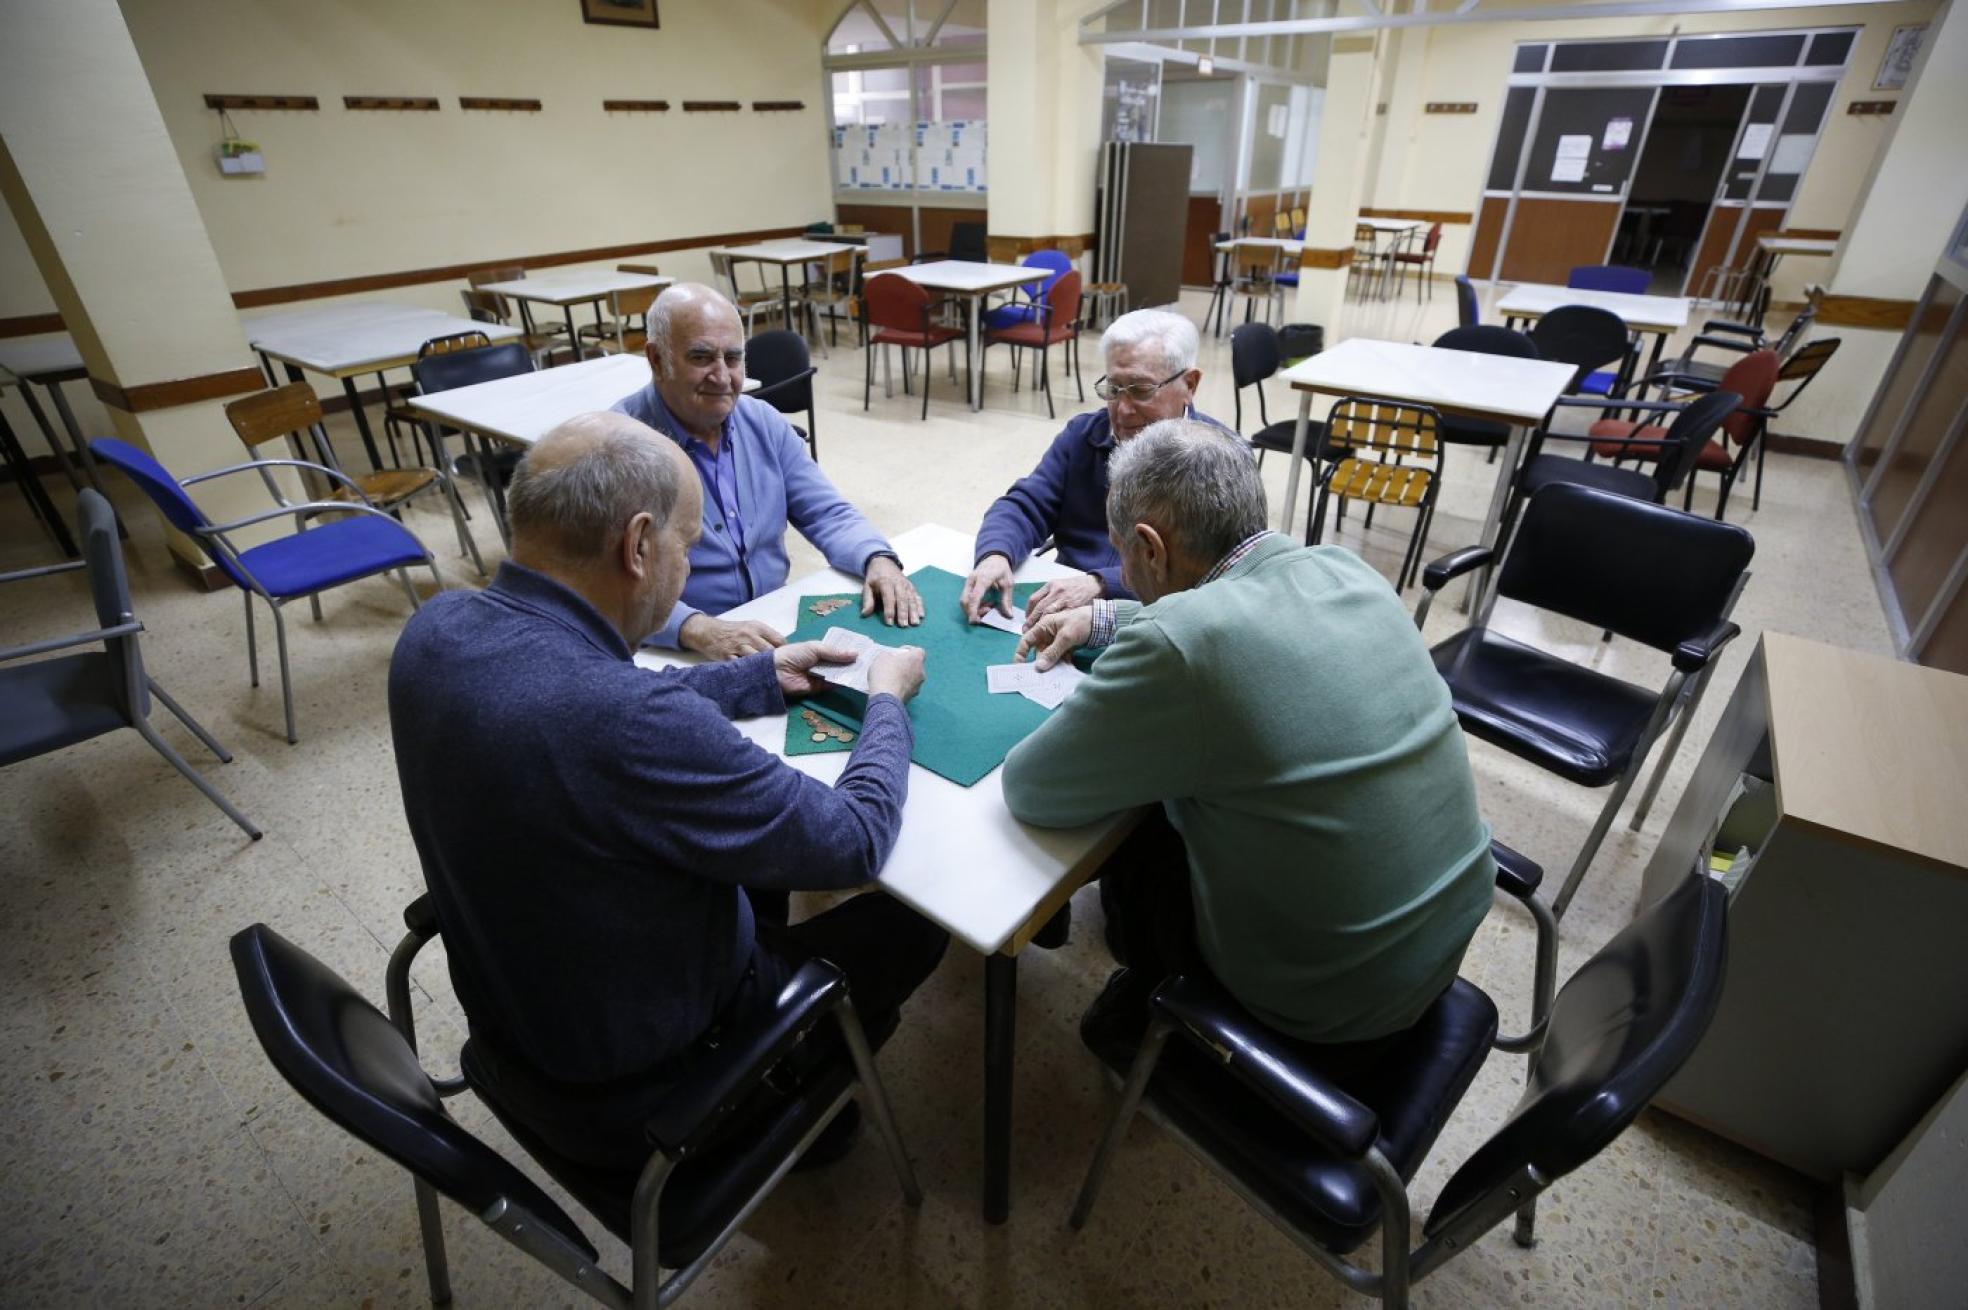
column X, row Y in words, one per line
column 575, row 492
column 684, row 307
column 696, row 357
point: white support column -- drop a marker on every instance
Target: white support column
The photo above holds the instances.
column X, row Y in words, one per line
column 1345, row 122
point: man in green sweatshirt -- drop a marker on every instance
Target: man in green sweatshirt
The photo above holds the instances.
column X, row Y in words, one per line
column 1322, row 854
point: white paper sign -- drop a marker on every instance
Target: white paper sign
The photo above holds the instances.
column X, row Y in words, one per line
column 1792, row 153
column 1573, row 151
column 1619, row 131
column 1756, row 140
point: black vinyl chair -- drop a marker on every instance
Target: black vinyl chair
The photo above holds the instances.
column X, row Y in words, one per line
column 1687, row 373
column 1218, row 308
column 1327, row 1157
column 1655, row 575
column 48, row 704
column 448, row 370
column 1255, row 357
column 1468, row 313
column 967, row 242
column 1589, row 339
column 784, row 368
column 1482, row 340
column 361, row 1071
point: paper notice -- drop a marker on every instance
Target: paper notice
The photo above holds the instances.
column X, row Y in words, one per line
column 1756, row 141
column 1569, row 164
column 1792, row 153
column 1619, row 131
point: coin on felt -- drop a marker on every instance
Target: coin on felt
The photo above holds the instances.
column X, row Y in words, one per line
column 819, row 736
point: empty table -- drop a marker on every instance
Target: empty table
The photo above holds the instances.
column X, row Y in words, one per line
column 785, row 254
column 48, row 362
column 570, row 289
column 961, row 277
column 1660, row 316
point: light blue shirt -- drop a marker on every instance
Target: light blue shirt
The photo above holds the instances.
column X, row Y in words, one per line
column 775, row 483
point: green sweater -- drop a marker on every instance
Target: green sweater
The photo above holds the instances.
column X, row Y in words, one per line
column 1289, row 719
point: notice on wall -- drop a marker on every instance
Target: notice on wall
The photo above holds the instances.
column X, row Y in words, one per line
column 1276, row 121
column 1573, row 152
column 1756, row 140
column 1792, row 153
column 1619, row 131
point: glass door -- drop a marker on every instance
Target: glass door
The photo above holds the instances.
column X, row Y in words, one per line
column 1779, row 134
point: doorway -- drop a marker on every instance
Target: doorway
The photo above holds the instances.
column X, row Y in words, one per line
column 1676, row 180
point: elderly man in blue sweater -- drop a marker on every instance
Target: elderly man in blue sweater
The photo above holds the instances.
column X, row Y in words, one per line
column 1151, row 375
column 594, row 834
column 757, row 480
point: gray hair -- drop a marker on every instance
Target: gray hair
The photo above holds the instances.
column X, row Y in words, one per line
column 662, row 314
column 1188, row 478
column 1172, row 335
column 577, row 489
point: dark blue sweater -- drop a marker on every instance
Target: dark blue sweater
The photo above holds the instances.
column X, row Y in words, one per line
column 1064, row 498
column 585, row 825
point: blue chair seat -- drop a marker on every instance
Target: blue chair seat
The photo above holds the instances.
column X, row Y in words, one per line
column 1286, row 279
column 54, row 703
column 330, row 554
column 1574, row 721
column 1007, row 316
column 1599, row 384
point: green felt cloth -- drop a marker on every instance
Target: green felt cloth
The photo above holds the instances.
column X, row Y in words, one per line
column 962, row 730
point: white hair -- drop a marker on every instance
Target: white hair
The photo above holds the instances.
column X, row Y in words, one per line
column 1174, row 336
column 1193, row 479
column 673, row 298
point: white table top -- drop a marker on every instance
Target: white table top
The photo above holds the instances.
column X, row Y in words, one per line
column 961, row 859
column 1388, row 224
column 1796, row 245
column 525, row 407
column 358, row 337
column 791, row 250
column 967, row 278
column 27, row 359
column 1454, row 381
column 1285, row 244
column 573, row 288
column 1650, row 313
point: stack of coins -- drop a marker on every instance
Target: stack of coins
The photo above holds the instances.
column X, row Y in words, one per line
column 822, row 608
column 824, row 728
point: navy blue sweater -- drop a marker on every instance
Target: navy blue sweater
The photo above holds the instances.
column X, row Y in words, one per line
column 1064, row 498
column 585, row 825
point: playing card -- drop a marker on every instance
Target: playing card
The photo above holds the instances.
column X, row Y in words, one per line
column 1015, row 625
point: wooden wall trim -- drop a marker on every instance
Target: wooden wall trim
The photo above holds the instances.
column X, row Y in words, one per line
column 1013, row 248
column 1422, row 215
column 147, row 396
column 1810, row 233
column 1809, row 447
column 1864, row 311
column 1311, row 257
column 30, row 325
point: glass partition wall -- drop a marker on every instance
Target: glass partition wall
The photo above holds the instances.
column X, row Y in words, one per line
column 1672, row 153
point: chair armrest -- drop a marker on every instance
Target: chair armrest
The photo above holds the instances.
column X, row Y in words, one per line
column 1610, row 402
column 1719, row 343
column 89, row 638
column 22, row 575
column 720, row 1079
column 335, row 475
column 420, row 917
column 1208, row 1015
column 1517, row 874
column 1439, row 573
column 1730, row 325
column 1660, row 442
column 305, row 507
column 771, row 387
column 1697, row 652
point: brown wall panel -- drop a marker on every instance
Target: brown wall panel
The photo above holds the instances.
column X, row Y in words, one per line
column 1715, row 243
column 936, row 223
column 1549, row 238
column 1483, row 242
column 1199, row 247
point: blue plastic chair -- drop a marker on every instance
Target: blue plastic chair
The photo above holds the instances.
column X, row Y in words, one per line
column 1610, row 277
column 1057, row 262
column 315, row 558
column 48, row 704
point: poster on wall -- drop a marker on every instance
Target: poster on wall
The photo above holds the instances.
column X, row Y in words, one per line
column 1901, row 51
column 1619, row 131
column 950, row 154
column 1130, row 99
column 872, row 157
column 1573, row 152
column 1756, row 140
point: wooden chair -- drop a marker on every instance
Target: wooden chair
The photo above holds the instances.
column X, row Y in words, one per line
column 750, row 304
column 1254, row 276
column 1423, row 263
column 489, row 307
column 1056, row 321
column 1379, row 435
column 289, row 411
column 1281, row 224
column 837, row 288
column 627, row 327
column 1298, row 222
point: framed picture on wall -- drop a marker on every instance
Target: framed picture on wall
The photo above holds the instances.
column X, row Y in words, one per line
column 1897, row 66
column 620, row 13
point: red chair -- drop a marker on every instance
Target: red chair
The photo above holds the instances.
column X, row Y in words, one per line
column 1752, row 377
column 899, row 315
column 1424, row 262
column 1057, row 320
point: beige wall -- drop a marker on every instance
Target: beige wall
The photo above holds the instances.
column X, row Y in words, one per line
column 352, row 193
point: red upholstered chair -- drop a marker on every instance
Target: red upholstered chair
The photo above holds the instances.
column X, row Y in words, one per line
column 1423, row 263
column 1056, row 321
column 899, row 315
column 1752, row 377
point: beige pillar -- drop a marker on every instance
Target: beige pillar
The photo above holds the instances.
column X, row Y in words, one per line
column 95, row 185
column 1345, row 125
column 1401, row 90
column 1045, row 123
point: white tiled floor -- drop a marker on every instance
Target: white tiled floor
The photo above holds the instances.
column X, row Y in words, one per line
column 150, row 1156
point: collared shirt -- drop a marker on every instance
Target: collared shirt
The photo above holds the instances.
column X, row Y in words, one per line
column 1103, row 609
column 585, row 825
column 762, row 481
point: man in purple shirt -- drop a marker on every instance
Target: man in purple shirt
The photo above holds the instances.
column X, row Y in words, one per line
column 757, row 478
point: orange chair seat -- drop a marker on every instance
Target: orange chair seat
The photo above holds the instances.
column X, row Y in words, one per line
column 1029, row 334
column 1613, row 429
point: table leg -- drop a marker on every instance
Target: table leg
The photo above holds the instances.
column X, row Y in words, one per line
column 1654, row 360
column 1000, row 1016
column 82, row 455
column 786, row 294
column 48, row 435
column 1506, row 478
column 37, row 500
column 1299, row 430
column 573, row 338
column 976, row 315
column 362, row 423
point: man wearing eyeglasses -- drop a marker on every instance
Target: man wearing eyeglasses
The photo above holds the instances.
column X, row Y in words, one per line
column 758, row 479
column 1151, row 375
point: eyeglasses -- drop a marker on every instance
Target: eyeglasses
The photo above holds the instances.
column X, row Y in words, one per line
column 1139, row 392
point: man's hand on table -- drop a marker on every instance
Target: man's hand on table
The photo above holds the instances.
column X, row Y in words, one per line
column 1062, row 594
column 897, row 671
column 885, row 587
column 993, row 573
column 719, row 640
column 1056, row 636
column 794, row 665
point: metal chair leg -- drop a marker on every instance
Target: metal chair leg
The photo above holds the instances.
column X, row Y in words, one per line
column 1604, row 822
column 252, row 647
column 1110, row 1143
column 403, row 576
column 197, row 730
column 193, row 776
column 430, row 1225
column 286, row 678
column 875, row 1096
column 466, row 545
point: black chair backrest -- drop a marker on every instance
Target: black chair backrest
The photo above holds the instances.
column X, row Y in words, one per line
column 1619, row 1029
column 1254, row 354
column 1222, row 258
column 1692, row 428
column 1581, row 335
column 1652, row 574
column 776, row 357
column 349, row 1062
column 1805, row 316
column 1804, row 363
column 461, row 368
column 109, row 588
column 967, row 242
column 1488, row 339
column 1467, row 312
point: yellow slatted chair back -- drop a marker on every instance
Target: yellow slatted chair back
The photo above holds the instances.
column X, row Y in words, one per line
column 1378, row 437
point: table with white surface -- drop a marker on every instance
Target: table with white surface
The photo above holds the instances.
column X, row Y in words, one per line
column 961, row 860
column 1516, row 392
column 1393, row 229
column 972, row 281
column 351, row 339
column 568, row 289
column 1658, row 316
column 1774, row 248
column 49, row 362
column 786, row 253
